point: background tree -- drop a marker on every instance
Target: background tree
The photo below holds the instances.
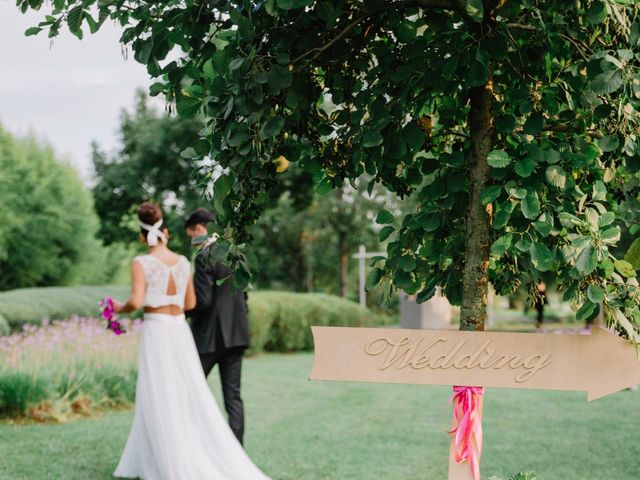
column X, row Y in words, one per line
column 47, row 221
column 517, row 115
column 147, row 166
column 293, row 239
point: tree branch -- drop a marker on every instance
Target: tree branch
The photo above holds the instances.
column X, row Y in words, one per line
column 434, row 4
column 318, row 50
column 453, row 5
column 521, row 26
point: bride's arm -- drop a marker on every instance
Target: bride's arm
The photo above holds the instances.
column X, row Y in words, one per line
column 190, row 295
column 137, row 290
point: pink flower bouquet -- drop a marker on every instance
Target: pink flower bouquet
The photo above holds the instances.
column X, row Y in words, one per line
column 109, row 314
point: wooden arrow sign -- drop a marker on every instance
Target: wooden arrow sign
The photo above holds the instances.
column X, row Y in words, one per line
column 600, row 363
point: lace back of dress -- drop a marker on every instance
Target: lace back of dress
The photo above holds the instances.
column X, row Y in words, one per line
column 164, row 282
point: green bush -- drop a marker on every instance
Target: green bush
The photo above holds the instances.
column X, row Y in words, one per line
column 18, row 391
column 4, row 325
column 32, row 305
column 48, row 227
column 278, row 321
column 281, row 321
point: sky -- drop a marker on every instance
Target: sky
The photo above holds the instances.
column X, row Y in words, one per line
column 68, row 92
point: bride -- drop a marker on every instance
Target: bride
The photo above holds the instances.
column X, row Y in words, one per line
column 178, row 431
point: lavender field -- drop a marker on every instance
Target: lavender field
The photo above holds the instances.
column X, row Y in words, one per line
column 66, row 369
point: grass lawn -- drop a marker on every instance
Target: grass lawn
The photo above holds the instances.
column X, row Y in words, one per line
column 299, row 430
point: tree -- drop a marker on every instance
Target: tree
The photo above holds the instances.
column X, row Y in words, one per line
column 517, row 115
column 148, row 166
column 47, row 222
column 309, row 249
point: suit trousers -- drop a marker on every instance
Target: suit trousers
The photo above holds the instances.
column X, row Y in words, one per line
column 230, row 363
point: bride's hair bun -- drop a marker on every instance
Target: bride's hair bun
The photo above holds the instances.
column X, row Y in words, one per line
column 149, row 213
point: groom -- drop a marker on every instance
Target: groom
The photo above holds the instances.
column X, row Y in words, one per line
column 219, row 322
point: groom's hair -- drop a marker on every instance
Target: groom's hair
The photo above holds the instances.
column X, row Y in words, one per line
column 201, row 216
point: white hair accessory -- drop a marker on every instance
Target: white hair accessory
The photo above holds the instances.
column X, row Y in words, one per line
column 154, row 233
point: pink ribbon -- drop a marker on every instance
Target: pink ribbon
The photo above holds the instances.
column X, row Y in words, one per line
column 467, row 431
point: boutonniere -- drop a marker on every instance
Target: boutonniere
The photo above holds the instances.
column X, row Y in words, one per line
column 204, row 241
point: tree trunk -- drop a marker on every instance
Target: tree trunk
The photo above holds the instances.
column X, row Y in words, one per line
column 344, row 263
column 473, row 311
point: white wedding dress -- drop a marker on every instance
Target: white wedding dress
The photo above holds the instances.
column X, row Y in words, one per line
column 178, row 432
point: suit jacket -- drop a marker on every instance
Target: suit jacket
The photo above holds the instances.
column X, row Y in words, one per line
column 219, row 309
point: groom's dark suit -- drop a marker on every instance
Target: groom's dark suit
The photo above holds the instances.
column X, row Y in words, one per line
column 221, row 331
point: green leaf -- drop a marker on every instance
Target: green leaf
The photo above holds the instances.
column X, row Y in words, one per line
column 456, row 183
column 599, row 191
column 597, row 12
column 384, row 217
column 208, row 69
column 475, row 9
column 503, row 213
column 490, row 194
column 530, row 205
column 156, row 89
column 556, row 176
column 426, row 294
column 478, row 73
column 236, row 63
column 534, row 124
column 237, row 138
column 610, row 235
column 524, row 167
column 610, row 143
column 498, row 159
column 188, row 106
column 505, row 123
column 633, row 254
column 407, row 263
column 551, row 156
column 371, row 138
column 386, row 232
column 624, row 268
column 501, row 245
column 585, row 311
column 32, row 31
column 517, row 192
column 431, row 223
column 607, row 268
column 524, row 244
column 595, row 293
column 74, row 18
column 324, row 186
column 541, row 257
column 607, row 82
column 587, row 260
column 397, row 148
column 607, row 218
column 414, row 136
column 222, row 186
column 373, row 278
column 272, row 127
column 406, row 31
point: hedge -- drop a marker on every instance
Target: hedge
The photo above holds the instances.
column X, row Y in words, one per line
column 279, row 321
column 32, row 305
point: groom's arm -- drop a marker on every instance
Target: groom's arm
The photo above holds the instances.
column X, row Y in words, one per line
column 204, row 283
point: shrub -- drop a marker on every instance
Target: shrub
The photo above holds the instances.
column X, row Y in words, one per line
column 77, row 366
column 278, row 321
column 32, row 305
column 47, row 233
column 281, row 321
column 19, row 391
column 4, row 325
